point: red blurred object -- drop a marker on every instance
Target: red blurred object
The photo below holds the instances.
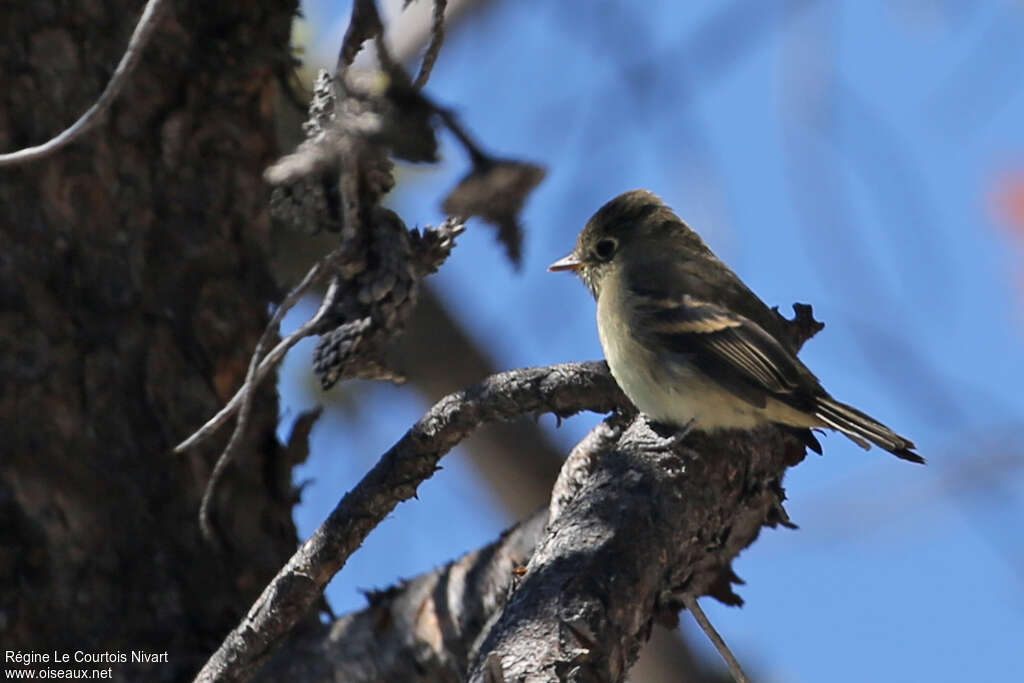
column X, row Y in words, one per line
column 1008, row 200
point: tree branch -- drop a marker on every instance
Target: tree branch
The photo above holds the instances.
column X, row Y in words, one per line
column 633, row 531
column 562, row 389
column 431, row 627
column 427, row 628
column 420, row 630
column 645, row 527
column 436, row 39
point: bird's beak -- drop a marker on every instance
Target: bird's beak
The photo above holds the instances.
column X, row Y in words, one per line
column 570, row 262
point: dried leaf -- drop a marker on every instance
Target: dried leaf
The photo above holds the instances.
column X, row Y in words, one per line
column 495, row 190
column 388, row 112
column 408, row 128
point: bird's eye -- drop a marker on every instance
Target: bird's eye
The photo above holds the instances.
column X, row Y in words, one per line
column 605, row 248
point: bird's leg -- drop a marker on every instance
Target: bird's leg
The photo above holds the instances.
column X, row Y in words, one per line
column 665, row 436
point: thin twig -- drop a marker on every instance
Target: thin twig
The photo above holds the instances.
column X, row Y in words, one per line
column 436, row 39
column 272, row 358
column 248, row 391
column 734, row 666
column 140, row 37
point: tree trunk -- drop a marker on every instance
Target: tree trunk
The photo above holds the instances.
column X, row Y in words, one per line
column 133, row 286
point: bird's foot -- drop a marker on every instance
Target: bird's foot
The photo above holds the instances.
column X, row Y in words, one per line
column 665, row 436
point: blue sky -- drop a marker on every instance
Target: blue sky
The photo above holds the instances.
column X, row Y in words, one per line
column 837, row 153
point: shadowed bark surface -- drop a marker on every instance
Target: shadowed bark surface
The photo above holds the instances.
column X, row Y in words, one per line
column 133, row 286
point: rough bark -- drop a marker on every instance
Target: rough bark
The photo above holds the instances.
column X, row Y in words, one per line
column 421, row 630
column 634, row 522
column 133, row 284
column 428, row 628
column 644, row 526
column 519, row 460
column 709, row 498
column 562, row 389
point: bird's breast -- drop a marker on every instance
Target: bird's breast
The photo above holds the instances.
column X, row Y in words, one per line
column 665, row 386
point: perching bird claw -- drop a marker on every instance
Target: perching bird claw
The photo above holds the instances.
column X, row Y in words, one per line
column 662, row 436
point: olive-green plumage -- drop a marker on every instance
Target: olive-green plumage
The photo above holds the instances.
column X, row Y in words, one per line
column 688, row 342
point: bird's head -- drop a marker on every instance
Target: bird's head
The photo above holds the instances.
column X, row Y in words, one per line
column 635, row 227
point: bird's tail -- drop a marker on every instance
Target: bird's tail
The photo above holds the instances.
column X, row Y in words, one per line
column 861, row 429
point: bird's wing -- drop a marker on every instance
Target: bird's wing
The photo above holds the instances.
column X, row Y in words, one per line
column 729, row 348
column 740, row 355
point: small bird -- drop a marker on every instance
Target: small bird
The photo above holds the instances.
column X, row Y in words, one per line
column 688, row 342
